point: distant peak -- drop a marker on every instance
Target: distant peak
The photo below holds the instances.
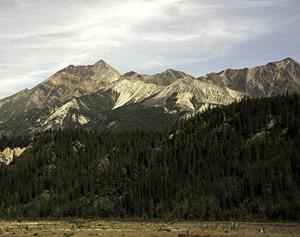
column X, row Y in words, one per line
column 170, row 70
column 288, row 59
column 100, row 62
column 130, row 74
column 173, row 73
column 283, row 63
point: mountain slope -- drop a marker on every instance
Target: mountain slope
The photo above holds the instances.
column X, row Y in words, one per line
column 263, row 81
column 193, row 95
column 236, row 162
column 31, row 110
column 98, row 97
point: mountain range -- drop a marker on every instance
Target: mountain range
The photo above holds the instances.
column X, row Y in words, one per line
column 98, row 97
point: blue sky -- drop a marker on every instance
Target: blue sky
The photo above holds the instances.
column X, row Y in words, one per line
column 39, row 37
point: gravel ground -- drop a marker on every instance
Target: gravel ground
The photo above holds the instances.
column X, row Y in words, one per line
column 80, row 228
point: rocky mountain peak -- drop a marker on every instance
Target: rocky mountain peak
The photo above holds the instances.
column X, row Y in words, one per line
column 131, row 74
column 281, row 63
column 100, row 62
column 288, row 59
column 271, row 79
column 70, row 82
column 75, row 71
column 102, row 65
column 171, row 72
column 171, row 75
column 97, row 95
column 104, row 72
column 98, row 71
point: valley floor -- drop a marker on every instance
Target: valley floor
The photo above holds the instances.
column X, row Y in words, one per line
column 80, row 228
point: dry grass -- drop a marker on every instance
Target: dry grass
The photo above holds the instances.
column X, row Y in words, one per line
column 82, row 228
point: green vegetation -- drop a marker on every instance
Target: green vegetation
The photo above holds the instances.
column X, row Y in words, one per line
column 236, row 162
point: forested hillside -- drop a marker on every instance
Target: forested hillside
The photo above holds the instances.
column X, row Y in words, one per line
column 239, row 162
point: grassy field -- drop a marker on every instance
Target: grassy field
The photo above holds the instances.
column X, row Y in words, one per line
column 80, row 228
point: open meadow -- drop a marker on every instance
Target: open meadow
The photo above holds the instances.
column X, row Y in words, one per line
column 80, row 228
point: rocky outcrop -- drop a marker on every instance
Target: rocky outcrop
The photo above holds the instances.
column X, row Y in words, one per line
column 8, row 154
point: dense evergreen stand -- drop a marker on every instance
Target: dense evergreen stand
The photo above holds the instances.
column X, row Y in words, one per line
column 236, row 162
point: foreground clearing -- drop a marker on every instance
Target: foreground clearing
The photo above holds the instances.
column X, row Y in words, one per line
column 80, row 228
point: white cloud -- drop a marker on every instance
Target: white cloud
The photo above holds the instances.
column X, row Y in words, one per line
column 39, row 37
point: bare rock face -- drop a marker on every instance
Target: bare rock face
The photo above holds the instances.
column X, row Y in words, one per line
column 269, row 80
column 75, row 81
column 8, row 154
column 33, row 110
column 157, row 90
column 193, row 95
column 98, row 97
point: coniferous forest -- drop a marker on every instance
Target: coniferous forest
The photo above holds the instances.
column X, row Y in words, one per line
column 238, row 162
